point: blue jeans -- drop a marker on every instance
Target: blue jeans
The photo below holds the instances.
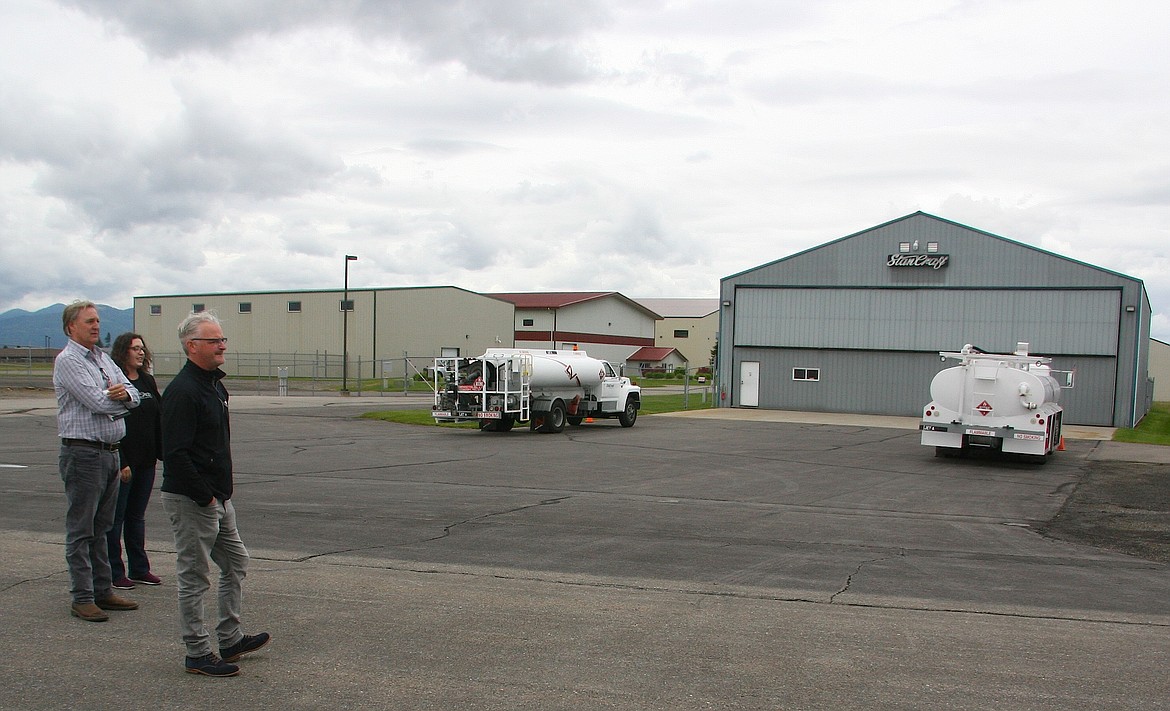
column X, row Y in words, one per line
column 204, row 533
column 130, row 523
column 91, row 490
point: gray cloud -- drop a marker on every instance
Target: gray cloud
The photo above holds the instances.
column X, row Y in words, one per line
column 172, row 28
column 647, row 146
column 180, row 174
column 440, row 146
column 504, row 40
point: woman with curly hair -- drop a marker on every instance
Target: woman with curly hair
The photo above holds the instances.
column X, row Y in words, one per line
column 140, row 451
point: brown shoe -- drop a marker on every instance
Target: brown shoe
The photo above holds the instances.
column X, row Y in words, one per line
column 88, row 612
column 116, row 602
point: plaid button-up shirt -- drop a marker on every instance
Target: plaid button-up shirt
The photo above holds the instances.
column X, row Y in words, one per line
column 83, row 411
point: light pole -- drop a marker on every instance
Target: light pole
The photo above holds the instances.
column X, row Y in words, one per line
column 345, row 329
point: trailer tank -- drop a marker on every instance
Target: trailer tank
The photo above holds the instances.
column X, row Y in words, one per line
column 1009, row 403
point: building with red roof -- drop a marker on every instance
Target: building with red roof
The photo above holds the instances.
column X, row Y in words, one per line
column 605, row 324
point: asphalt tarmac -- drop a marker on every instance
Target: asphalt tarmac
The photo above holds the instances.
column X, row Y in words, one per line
column 689, row 562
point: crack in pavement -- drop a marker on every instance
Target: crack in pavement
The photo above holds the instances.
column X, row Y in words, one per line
column 849, row 580
column 446, row 529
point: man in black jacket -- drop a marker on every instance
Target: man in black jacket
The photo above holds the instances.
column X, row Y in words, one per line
column 196, row 493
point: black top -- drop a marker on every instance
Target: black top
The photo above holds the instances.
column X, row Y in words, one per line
column 142, row 445
column 196, row 436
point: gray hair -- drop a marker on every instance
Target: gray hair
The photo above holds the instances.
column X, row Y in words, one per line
column 69, row 315
column 192, row 323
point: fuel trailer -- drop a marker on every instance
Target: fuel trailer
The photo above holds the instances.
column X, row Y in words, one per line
column 1008, row 403
column 545, row 389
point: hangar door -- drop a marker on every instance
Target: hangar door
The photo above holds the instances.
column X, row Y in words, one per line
column 1052, row 320
column 877, row 348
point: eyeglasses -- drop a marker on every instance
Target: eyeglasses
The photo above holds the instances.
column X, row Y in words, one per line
column 217, row 341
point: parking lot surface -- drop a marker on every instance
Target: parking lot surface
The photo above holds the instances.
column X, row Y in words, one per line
column 687, row 562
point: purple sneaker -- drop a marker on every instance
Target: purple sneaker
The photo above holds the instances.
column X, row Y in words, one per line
column 124, row 583
column 148, row 579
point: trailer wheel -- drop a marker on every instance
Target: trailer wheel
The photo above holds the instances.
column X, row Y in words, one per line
column 629, row 415
column 554, row 419
column 576, row 420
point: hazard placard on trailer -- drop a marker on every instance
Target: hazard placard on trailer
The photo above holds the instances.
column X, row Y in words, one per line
column 983, row 408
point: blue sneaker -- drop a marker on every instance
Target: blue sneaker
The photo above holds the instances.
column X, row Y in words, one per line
column 248, row 644
column 210, row 665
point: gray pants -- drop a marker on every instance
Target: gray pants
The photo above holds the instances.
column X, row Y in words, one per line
column 204, row 533
column 91, row 489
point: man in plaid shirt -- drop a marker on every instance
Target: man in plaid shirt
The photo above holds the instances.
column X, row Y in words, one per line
column 93, row 396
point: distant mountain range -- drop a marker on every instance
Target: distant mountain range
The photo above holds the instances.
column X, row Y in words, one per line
column 36, row 328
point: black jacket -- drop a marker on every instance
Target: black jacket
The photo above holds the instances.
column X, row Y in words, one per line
column 196, row 436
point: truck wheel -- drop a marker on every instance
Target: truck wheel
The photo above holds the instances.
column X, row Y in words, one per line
column 576, row 420
column 554, row 419
column 629, row 415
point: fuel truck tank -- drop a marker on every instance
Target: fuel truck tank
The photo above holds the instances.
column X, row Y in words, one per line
column 1004, row 402
column 554, row 369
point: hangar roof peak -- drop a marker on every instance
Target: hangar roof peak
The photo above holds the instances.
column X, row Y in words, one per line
column 920, row 216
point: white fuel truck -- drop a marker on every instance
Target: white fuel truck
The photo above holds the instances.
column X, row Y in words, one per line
column 546, row 389
column 1008, row 403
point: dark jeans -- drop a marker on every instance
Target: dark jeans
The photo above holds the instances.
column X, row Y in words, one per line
column 91, row 490
column 130, row 523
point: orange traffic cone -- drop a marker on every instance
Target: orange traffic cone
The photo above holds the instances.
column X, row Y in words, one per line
column 589, row 419
column 1060, row 447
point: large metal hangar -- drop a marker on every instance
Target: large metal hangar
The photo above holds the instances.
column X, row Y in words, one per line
column 856, row 325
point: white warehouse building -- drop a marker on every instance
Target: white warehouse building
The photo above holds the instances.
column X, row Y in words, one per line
column 380, row 324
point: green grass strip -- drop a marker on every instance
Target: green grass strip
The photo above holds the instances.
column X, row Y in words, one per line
column 1153, row 429
column 651, row 405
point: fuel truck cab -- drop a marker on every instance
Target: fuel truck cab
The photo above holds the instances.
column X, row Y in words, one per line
column 1007, row 403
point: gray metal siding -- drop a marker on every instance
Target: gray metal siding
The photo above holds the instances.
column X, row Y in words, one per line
column 1053, row 320
column 898, row 383
column 887, row 383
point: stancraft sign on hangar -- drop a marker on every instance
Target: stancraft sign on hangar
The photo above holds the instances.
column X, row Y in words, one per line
column 856, row 325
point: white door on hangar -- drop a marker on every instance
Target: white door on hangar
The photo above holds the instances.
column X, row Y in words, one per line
column 749, row 383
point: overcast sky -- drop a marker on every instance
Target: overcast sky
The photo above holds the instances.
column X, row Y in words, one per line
column 645, row 146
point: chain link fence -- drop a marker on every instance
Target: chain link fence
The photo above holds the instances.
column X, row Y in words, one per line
column 269, row 373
